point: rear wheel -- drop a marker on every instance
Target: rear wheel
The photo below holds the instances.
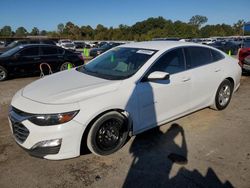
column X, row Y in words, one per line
column 3, row 73
column 66, row 65
column 223, row 95
column 108, row 134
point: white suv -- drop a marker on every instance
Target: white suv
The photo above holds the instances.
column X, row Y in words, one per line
column 67, row 44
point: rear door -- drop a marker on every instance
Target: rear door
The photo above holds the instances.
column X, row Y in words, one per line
column 206, row 75
column 52, row 56
column 26, row 59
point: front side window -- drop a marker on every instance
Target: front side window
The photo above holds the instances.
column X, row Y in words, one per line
column 197, row 56
column 171, row 62
column 119, row 63
column 32, row 51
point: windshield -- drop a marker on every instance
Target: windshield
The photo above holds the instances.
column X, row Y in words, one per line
column 117, row 64
column 11, row 51
column 13, row 44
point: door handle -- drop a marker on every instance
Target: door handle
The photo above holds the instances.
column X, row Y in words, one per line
column 217, row 70
column 186, row 79
column 37, row 58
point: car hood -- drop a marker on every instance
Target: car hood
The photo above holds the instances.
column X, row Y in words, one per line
column 68, row 87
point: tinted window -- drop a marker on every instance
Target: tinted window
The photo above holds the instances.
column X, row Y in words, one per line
column 171, row 62
column 33, row 51
column 60, row 50
column 49, row 51
column 216, row 55
column 197, row 56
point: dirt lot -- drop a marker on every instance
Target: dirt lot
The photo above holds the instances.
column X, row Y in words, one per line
column 213, row 151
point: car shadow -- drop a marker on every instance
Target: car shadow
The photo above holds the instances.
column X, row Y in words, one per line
column 154, row 154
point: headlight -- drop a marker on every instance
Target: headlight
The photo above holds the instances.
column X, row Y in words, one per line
column 52, row 119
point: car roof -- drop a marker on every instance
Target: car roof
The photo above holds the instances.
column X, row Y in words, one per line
column 26, row 45
column 159, row 45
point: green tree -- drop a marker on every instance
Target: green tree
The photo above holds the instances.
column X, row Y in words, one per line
column 238, row 27
column 43, row 32
column 72, row 31
column 87, row 32
column 198, row 20
column 35, row 31
column 21, row 32
column 60, row 28
column 6, row 31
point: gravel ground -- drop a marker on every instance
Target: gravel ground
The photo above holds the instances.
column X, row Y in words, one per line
column 204, row 149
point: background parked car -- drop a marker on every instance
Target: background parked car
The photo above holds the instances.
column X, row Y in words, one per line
column 97, row 51
column 67, row 44
column 79, row 44
column 26, row 59
column 244, row 55
column 226, row 46
column 22, row 42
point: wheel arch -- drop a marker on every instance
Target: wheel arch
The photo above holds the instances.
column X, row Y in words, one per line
column 231, row 80
column 83, row 145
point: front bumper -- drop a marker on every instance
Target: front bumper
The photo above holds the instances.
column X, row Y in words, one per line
column 28, row 135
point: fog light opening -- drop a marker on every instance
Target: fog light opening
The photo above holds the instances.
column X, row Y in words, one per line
column 48, row 143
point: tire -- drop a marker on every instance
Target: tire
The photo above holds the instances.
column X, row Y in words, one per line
column 223, row 95
column 64, row 66
column 108, row 134
column 3, row 73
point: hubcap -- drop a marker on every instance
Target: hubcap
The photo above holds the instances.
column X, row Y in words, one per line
column 224, row 95
column 2, row 74
column 108, row 135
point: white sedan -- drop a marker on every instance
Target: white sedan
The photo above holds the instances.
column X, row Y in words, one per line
column 125, row 91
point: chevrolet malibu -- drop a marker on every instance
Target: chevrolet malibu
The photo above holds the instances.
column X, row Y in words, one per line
column 125, row 91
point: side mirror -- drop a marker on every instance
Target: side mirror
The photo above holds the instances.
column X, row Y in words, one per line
column 158, row 75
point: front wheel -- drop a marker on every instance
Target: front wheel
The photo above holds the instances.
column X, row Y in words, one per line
column 108, row 134
column 3, row 73
column 223, row 95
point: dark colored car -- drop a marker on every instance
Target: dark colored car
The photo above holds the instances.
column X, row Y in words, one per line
column 226, row 46
column 244, row 55
column 23, row 42
column 97, row 51
column 26, row 59
column 79, row 45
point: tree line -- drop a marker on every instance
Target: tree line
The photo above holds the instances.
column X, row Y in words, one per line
column 148, row 29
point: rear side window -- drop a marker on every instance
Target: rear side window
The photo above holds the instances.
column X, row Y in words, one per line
column 217, row 55
column 33, row 51
column 171, row 62
column 198, row 56
column 49, row 51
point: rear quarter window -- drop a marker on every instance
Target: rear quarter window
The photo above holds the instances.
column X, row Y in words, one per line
column 217, row 55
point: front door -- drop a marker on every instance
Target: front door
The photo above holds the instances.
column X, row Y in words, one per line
column 163, row 100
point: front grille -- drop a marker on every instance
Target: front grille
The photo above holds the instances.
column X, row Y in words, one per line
column 20, row 131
